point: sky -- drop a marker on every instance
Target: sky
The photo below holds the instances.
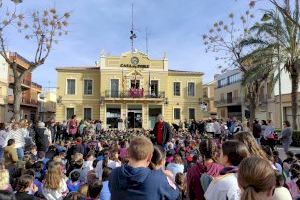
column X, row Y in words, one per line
column 174, row 26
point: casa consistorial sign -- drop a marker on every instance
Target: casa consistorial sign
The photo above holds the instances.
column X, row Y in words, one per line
column 137, row 66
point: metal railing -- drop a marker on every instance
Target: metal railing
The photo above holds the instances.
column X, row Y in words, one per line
column 134, row 93
column 25, row 101
column 11, row 79
column 234, row 100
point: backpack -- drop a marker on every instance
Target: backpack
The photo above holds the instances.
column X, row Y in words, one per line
column 205, row 180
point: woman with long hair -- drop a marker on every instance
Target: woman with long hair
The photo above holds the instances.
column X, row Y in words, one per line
column 257, row 179
column 208, row 166
column 226, row 186
column 249, row 140
column 55, row 187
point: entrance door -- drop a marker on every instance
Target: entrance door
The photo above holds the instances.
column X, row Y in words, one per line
column 114, row 87
column 130, row 119
column 134, row 116
column 154, row 88
column 113, row 114
column 70, row 113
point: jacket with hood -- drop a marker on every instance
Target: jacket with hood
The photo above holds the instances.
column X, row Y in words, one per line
column 141, row 183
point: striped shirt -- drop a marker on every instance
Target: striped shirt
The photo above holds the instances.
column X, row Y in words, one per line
column 19, row 136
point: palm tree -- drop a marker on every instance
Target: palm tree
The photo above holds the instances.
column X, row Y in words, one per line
column 284, row 33
column 258, row 64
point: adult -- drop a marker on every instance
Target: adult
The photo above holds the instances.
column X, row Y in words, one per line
column 18, row 135
column 72, row 126
column 269, row 135
column 208, row 166
column 41, row 139
column 256, row 129
column 135, row 180
column 286, row 136
column 3, row 138
column 226, row 186
column 257, row 179
column 217, row 128
column 162, row 131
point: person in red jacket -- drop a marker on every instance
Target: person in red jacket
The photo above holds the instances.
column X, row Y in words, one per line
column 162, row 131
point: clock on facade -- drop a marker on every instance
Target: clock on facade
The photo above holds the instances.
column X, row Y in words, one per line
column 135, row 60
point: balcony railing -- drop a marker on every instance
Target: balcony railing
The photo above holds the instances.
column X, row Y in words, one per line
column 24, row 101
column 134, row 93
column 11, row 79
column 223, row 102
column 36, row 85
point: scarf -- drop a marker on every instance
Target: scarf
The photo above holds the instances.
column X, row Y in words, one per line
column 228, row 170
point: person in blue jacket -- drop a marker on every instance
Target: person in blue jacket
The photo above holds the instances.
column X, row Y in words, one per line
column 136, row 181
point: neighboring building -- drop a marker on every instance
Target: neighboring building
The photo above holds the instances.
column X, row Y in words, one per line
column 228, row 95
column 47, row 105
column 130, row 88
column 230, row 100
column 286, row 89
column 209, row 99
column 3, row 88
column 29, row 104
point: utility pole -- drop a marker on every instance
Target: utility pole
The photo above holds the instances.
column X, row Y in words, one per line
column 147, row 41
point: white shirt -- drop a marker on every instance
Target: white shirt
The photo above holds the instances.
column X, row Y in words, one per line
column 111, row 164
column 56, row 194
column 281, row 193
column 223, row 188
column 3, row 138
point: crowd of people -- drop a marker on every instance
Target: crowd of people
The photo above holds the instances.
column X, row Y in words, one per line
column 211, row 159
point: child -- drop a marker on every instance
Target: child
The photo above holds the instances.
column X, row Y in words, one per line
column 105, row 193
column 179, row 180
column 94, row 190
column 73, row 183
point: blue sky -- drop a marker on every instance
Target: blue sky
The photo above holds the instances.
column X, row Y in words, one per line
column 174, row 26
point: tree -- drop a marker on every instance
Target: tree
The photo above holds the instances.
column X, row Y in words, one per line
column 229, row 40
column 42, row 28
column 283, row 6
column 279, row 28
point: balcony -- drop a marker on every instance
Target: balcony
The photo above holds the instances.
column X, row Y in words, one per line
column 134, row 94
column 24, row 101
column 26, row 84
column 36, row 86
column 228, row 102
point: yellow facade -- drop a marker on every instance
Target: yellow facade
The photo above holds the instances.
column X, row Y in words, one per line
column 129, row 91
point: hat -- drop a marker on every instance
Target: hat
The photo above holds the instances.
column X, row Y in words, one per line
column 41, row 125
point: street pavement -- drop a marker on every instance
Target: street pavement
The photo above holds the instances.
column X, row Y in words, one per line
column 282, row 154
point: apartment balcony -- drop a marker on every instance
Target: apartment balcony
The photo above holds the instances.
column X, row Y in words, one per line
column 26, row 84
column 228, row 102
column 136, row 94
column 36, row 86
column 24, row 101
